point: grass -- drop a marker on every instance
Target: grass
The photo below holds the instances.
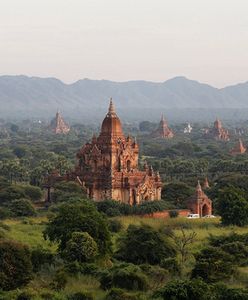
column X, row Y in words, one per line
column 30, row 232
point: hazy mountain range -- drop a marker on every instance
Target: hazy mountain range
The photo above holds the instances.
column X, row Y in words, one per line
column 34, row 97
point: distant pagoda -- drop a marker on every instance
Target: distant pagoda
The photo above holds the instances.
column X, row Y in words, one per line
column 218, row 132
column 163, row 131
column 58, row 125
column 238, row 149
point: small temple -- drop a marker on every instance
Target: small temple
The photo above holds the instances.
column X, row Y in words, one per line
column 163, row 131
column 218, row 132
column 107, row 167
column 58, row 125
column 199, row 203
column 238, row 149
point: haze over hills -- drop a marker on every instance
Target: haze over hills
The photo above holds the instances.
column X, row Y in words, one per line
column 85, row 100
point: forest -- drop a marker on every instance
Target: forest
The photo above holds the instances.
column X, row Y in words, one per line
column 77, row 249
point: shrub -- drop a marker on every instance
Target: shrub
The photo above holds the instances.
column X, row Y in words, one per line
column 213, row 264
column 223, row 292
column 150, row 207
column 119, row 294
column 129, row 277
column 115, row 225
column 25, row 296
column 4, row 213
column 81, row 247
column 22, row 208
column 15, row 265
column 41, row 256
column 194, row 289
column 79, row 216
column 11, row 193
column 232, row 207
column 33, row 192
column 59, row 281
column 143, row 244
column 171, row 264
column 81, row 296
column 173, row 213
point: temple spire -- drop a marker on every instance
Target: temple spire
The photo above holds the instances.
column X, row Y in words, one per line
column 111, row 110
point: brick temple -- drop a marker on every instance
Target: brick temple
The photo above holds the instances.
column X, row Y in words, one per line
column 163, row 131
column 58, row 125
column 199, row 203
column 218, row 132
column 107, row 167
column 238, row 149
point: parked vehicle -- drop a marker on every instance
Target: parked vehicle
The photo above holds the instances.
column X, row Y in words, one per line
column 209, row 216
column 193, row 216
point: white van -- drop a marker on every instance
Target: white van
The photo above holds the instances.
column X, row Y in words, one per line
column 193, row 216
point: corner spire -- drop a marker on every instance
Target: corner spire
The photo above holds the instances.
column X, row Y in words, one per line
column 198, row 187
column 162, row 117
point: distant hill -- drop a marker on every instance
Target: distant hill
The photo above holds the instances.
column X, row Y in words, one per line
column 87, row 100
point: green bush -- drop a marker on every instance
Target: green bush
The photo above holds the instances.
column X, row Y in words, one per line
column 129, row 277
column 33, row 192
column 25, row 296
column 213, row 265
column 150, row 207
column 185, row 290
column 81, row 247
column 81, row 296
column 119, row 294
column 59, row 281
column 40, row 257
column 15, row 265
column 142, row 244
column 22, row 208
column 79, row 216
column 173, row 213
column 232, row 206
column 115, row 225
column 11, row 193
column 5, row 213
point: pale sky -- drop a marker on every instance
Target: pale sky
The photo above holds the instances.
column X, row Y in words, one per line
column 205, row 40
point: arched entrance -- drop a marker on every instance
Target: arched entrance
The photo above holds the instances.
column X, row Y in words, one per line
column 205, row 210
column 128, row 165
column 134, row 197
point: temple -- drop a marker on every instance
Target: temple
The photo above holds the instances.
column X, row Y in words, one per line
column 218, row 132
column 58, row 125
column 108, row 167
column 163, row 131
column 238, row 149
column 199, row 203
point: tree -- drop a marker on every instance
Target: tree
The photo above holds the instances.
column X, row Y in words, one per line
column 15, row 265
column 126, row 276
column 11, row 193
column 232, row 207
column 79, row 217
column 195, row 289
column 177, row 193
column 213, row 264
column 183, row 243
column 81, row 247
column 143, row 244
